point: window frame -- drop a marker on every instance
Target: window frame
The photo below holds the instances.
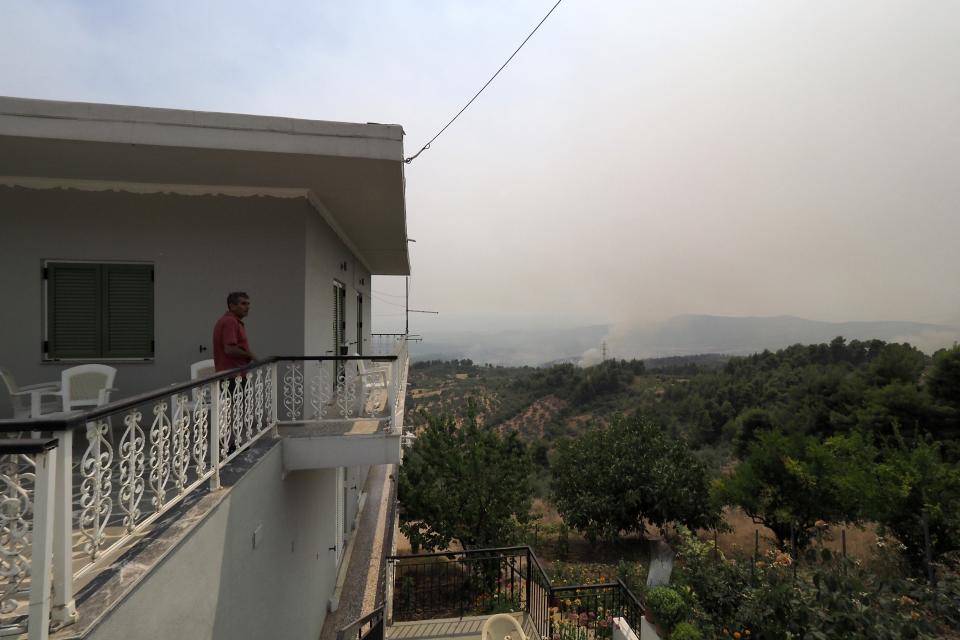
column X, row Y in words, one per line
column 45, row 300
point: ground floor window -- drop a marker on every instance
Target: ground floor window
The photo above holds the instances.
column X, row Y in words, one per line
column 99, row 310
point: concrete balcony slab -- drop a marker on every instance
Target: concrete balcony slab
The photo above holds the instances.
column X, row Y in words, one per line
column 338, row 443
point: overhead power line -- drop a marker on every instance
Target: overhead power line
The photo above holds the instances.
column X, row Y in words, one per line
column 427, row 146
column 388, row 302
column 384, row 293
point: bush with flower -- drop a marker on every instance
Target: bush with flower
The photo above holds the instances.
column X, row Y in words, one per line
column 576, row 618
column 818, row 595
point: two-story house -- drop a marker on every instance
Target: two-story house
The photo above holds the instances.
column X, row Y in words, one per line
column 217, row 508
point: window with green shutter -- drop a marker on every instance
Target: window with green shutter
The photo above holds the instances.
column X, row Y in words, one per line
column 99, row 310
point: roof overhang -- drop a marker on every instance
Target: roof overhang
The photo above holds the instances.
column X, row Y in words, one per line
column 351, row 173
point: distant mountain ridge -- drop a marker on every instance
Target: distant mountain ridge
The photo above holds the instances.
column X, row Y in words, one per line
column 512, row 347
column 679, row 336
column 692, row 334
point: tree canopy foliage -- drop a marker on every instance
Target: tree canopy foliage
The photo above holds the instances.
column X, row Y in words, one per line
column 614, row 479
column 463, row 482
column 915, row 484
column 789, row 481
column 845, row 431
column 820, row 390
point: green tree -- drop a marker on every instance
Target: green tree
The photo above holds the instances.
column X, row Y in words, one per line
column 900, row 405
column 944, row 380
column 465, row 483
column 789, row 481
column 749, row 424
column 913, row 482
column 613, row 479
column 896, row 363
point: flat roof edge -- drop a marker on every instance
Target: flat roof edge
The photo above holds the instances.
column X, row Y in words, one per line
column 205, row 129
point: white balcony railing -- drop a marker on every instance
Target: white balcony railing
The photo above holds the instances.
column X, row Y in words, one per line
column 121, row 467
column 348, row 388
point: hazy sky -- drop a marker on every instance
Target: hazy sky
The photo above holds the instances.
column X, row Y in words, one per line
column 637, row 159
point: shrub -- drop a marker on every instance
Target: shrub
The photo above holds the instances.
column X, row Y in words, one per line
column 717, row 585
column 818, row 595
column 667, row 607
column 686, row 631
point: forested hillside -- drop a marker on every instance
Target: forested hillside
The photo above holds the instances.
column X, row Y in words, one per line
column 803, row 443
column 712, row 401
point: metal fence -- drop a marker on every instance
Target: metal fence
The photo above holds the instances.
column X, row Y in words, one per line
column 468, row 583
column 511, row 579
column 369, row 627
column 341, row 388
column 587, row 611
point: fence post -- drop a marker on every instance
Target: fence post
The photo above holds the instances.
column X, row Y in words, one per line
column 928, row 552
column 63, row 606
column 215, row 434
column 39, row 611
column 527, row 589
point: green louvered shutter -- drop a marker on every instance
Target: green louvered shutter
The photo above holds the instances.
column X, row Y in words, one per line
column 127, row 311
column 73, row 310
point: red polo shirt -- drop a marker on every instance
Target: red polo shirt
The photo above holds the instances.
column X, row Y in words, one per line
column 229, row 330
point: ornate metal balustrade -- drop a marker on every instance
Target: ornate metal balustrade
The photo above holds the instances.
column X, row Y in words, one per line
column 124, row 465
column 344, row 388
column 511, row 579
column 26, row 534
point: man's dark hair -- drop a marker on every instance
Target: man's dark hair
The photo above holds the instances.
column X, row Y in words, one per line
column 234, row 297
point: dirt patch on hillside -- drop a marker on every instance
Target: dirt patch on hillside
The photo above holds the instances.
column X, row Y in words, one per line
column 739, row 543
column 531, row 421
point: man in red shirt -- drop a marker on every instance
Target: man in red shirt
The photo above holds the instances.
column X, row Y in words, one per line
column 230, row 346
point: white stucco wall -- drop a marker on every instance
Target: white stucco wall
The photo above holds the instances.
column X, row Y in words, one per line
column 327, row 259
column 217, row 585
column 279, row 250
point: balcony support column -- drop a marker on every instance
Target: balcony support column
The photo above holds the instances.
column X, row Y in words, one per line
column 38, row 626
column 63, row 606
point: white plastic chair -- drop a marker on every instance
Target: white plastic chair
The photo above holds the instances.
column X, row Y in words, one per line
column 84, row 386
column 502, row 626
column 372, row 378
column 20, row 397
column 374, row 375
column 202, row 369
